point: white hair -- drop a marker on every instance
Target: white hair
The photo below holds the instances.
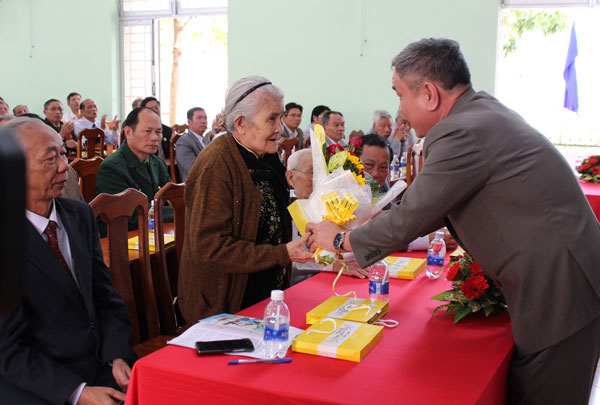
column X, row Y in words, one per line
column 293, row 162
column 249, row 104
column 379, row 114
column 17, row 125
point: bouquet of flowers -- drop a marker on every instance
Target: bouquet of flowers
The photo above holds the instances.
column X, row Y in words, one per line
column 590, row 169
column 339, row 190
column 472, row 291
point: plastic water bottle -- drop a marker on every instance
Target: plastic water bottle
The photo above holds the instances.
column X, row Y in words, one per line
column 435, row 256
column 395, row 169
column 151, row 222
column 277, row 325
column 379, row 281
column 403, row 165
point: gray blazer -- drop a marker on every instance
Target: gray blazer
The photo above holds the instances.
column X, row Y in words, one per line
column 516, row 206
column 187, row 148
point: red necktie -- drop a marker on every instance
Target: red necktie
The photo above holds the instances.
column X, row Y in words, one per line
column 53, row 243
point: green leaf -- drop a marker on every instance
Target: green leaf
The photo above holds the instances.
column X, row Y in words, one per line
column 488, row 310
column 442, row 296
column 460, row 315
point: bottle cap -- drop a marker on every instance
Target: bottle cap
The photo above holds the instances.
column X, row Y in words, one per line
column 439, row 235
column 276, row 295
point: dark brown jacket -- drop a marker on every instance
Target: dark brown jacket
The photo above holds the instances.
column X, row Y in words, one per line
column 222, row 212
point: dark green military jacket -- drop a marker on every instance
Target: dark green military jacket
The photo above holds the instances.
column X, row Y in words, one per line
column 122, row 170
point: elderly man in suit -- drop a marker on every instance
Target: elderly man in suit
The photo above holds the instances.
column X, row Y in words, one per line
column 135, row 164
column 192, row 142
column 516, row 207
column 69, row 339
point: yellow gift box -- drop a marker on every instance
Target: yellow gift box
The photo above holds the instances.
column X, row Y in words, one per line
column 339, row 339
column 405, row 267
column 457, row 254
column 134, row 244
column 346, row 308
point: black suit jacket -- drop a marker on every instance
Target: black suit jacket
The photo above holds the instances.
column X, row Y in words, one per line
column 166, row 138
column 60, row 337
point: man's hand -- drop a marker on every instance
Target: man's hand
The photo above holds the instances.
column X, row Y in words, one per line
column 306, row 142
column 103, row 122
column 322, row 235
column 451, row 244
column 65, row 131
column 296, row 250
column 352, row 269
column 121, row 371
column 100, row 396
column 114, row 124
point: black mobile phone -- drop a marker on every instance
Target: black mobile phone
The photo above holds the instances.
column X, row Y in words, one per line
column 224, row 346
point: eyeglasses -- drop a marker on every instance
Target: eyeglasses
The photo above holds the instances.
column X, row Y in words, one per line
column 56, row 109
column 310, row 173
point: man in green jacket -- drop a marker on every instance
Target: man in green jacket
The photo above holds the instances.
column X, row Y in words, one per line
column 134, row 164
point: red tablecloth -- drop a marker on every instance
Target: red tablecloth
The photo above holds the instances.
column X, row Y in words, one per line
column 592, row 192
column 424, row 360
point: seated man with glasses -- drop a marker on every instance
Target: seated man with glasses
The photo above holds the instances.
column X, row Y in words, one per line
column 53, row 110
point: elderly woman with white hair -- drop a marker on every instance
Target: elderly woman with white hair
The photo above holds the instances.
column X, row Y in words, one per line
column 237, row 240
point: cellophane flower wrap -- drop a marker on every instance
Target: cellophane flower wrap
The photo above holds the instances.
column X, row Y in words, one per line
column 472, row 291
column 340, row 193
column 590, row 169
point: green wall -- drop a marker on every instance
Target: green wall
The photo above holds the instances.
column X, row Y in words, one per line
column 49, row 48
column 338, row 52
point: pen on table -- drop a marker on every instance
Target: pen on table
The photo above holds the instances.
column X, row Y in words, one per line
column 248, row 361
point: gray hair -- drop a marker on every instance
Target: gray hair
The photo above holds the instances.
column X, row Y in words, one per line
column 16, row 126
column 237, row 104
column 379, row 114
column 328, row 115
column 435, row 59
column 293, row 162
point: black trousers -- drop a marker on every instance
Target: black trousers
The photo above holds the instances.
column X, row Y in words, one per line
column 560, row 374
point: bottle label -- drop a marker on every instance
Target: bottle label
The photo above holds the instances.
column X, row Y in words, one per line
column 276, row 334
column 435, row 261
column 151, row 224
column 379, row 287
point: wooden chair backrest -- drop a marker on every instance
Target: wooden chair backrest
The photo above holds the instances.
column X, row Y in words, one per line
column 165, row 279
column 114, row 210
column 287, row 145
column 87, row 171
column 91, row 135
column 414, row 164
column 172, row 150
column 179, row 129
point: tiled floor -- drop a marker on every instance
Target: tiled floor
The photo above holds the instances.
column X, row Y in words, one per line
column 595, row 395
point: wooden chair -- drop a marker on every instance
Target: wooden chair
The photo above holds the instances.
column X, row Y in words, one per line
column 175, row 176
column 91, row 136
column 179, row 129
column 356, row 133
column 114, row 210
column 287, row 145
column 165, row 279
column 87, row 171
column 414, row 164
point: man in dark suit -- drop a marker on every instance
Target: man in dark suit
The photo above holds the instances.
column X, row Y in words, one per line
column 515, row 206
column 135, row 164
column 69, row 339
column 153, row 104
column 192, row 142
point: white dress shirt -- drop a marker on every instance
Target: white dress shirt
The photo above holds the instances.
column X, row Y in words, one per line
column 69, row 116
column 203, row 141
column 110, row 136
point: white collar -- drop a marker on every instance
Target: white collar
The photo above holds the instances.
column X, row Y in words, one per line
column 40, row 223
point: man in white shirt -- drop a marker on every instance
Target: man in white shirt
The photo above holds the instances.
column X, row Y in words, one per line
column 192, row 142
column 68, row 341
column 72, row 114
column 89, row 113
column 334, row 126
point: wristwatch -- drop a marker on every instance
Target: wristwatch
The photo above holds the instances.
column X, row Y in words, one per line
column 338, row 241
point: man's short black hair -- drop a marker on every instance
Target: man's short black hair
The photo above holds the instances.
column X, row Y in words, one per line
column 47, row 103
column 31, row 115
column 148, row 99
column 328, row 114
column 291, row 105
column 376, row 140
column 317, row 111
column 134, row 117
column 71, row 95
column 191, row 111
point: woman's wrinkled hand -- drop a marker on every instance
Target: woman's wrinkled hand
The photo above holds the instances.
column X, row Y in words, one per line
column 296, row 250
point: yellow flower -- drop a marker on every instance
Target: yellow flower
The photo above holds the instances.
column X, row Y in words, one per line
column 356, row 162
column 359, row 179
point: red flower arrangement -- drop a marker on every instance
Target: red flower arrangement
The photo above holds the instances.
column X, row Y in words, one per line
column 471, row 291
column 590, row 169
